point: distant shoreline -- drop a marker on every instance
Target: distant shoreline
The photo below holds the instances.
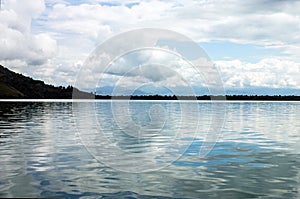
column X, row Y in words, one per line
column 163, row 98
column 206, row 97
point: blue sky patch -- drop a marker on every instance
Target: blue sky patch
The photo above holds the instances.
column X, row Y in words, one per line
column 225, row 50
column 130, row 5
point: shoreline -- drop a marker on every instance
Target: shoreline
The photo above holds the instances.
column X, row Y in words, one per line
column 139, row 100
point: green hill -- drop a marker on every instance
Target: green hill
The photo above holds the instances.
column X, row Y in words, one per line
column 18, row 86
column 7, row 91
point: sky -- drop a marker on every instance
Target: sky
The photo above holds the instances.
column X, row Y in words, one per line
column 253, row 44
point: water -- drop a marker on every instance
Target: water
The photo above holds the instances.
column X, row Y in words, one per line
column 150, row 149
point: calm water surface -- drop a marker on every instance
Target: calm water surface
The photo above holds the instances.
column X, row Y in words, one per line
column 149, row 150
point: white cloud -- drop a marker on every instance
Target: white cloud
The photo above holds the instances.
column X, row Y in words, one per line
column 59, row 36
column 158, row 67
column 17, row 41
column 269, row 72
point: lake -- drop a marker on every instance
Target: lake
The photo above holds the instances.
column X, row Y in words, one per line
column 150, row 149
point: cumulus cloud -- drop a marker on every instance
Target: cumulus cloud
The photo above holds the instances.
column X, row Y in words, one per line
column 156, row 66
column 18, row 43
column 269, row 72
column 59, row 34
column 272, row 24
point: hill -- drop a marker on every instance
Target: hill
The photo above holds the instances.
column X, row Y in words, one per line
column 14, row 85
column 8, row 91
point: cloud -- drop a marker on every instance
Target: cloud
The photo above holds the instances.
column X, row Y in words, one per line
column 153, row 72
column 273, row 24
column 18, row 42
column 27, row 9
column 269, row 72
column 56, row 35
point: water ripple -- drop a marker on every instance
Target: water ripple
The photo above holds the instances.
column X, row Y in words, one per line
column 256, row 157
